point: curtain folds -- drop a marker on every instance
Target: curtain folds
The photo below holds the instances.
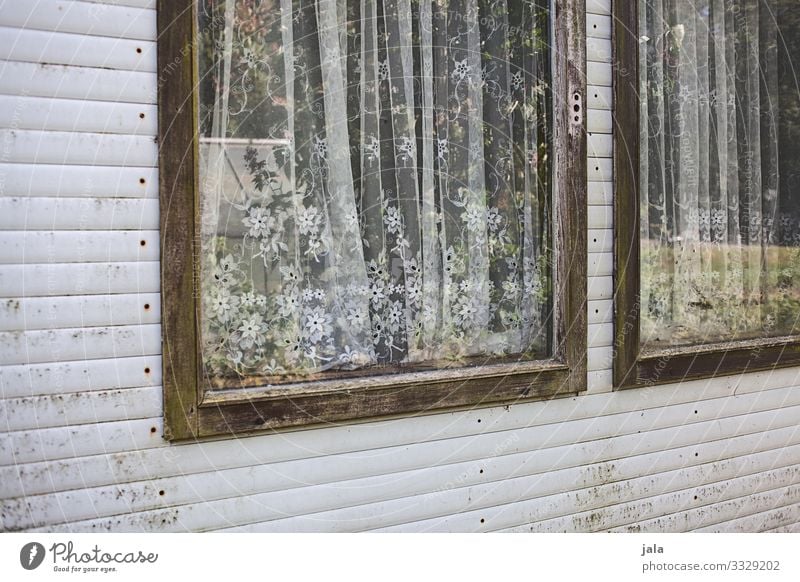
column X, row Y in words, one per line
column 719, row 221
column 375, row 183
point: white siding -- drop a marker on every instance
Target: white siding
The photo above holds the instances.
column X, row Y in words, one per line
column 80, row 407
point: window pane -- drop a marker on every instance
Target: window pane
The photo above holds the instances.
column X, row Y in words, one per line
column 375, row 185
column 720, row 170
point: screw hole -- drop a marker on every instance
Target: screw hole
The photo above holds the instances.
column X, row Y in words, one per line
column 147, row 370
column 577, row 119
column 577, row 108
column 141, row 180
column 483, row 520
column 597, row 311
column 697, row 454
column 481, row 472
column 161, row 492
column 142, row 243
column 695, row 497
column 153, row 429
column 139, row 50
column 146, row 306
column 141, row 116
column 479, row 420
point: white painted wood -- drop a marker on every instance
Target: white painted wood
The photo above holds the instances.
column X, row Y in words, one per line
column 599, row 358
column 598, row 7
column 601, row 264
column 50, row 147
column 42, row 113
column 599, row 335
column 600, row 169
column 58, row 48
column 82, row 375
column 705, row 518
column 80, row 440
column 599, row 74
column 601, row 240
column 402, row 511
column 59, row 345
column 600, row 311
column 461, row 442
column 600, row 194
column 79, row 214
column 600, row 217
column 600, row 288
column 598, row 382
column 595, row 508
column 788, row 515
column 45, row 280
column 71, row 82
column 226, row 503
column 599, row 97
column 77, row 246
column 39, row 313
column 85, row 18
column 135, row 3
column 599, row 121
column 31, row 180
column 785, row 519
column 600, row 145
column 598, row 50
column 598, row 26
column 79, row 408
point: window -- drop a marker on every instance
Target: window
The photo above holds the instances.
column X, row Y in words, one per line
column 368, row 208
column 708, row 271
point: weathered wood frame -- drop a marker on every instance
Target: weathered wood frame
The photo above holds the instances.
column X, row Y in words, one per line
column 633, row 366
column 191, row 411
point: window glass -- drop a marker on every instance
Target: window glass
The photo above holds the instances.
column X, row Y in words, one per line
column 720, row 170
column 375, row 185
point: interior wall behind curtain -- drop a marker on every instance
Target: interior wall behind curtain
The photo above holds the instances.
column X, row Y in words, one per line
column 719, row 193
column 375, row 183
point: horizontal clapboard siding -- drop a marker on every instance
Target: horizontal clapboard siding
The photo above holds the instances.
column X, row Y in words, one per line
column 600, row 265
column 43, row 113
column 72, row 82
column 86, row 18
column 80, row 369
column 35, row 313
column 553, row 450
column 32, row 180
column 59, row 48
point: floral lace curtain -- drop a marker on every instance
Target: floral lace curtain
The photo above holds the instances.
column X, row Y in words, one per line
column 720, row 170
column 375, row 183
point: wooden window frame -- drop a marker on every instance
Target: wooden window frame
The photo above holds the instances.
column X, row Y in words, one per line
column 191, row 411
column 633, row 366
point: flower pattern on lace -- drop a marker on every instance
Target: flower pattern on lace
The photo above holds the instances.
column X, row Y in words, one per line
column 373, row 223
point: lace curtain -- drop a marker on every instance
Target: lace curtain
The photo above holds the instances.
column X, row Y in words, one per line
column 720, row 207
column 375, row 183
